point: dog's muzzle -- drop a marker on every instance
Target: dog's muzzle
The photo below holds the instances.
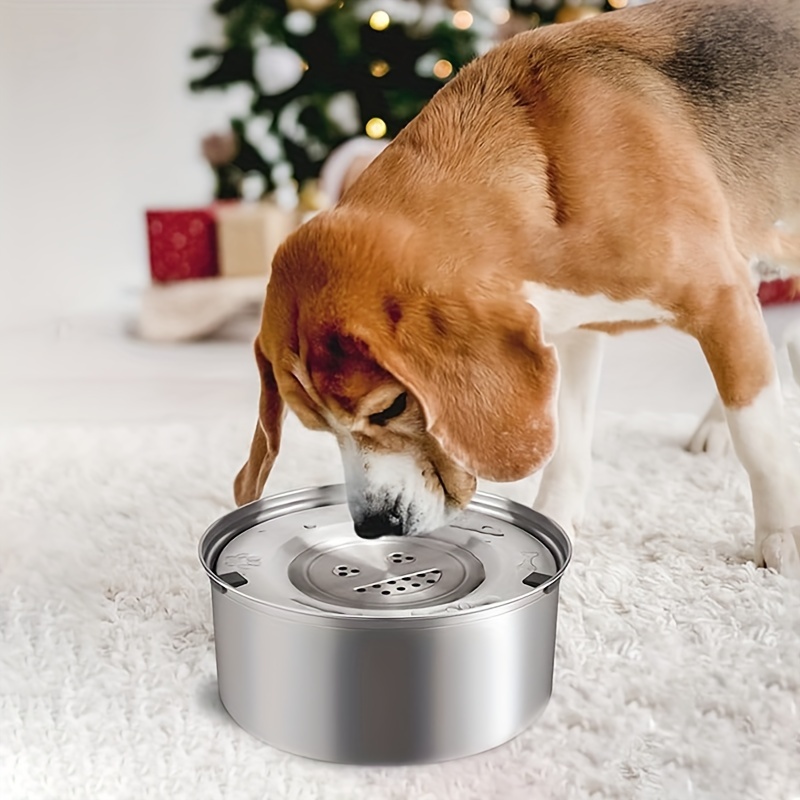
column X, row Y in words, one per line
column 373, row 526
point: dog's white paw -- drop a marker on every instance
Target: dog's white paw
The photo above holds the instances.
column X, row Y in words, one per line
column 781, row 552
column 712, row 435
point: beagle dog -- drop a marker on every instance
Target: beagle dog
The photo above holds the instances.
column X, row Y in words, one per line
column 445, row 320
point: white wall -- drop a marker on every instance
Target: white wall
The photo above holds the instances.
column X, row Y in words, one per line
column 96, row 123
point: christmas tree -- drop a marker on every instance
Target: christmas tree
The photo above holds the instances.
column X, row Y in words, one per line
column 320, row 72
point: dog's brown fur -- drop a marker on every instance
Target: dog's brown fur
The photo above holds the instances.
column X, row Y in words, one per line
column 645, row 154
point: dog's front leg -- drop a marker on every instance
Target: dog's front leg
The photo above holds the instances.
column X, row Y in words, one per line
column 736, row 344
column 565, row 481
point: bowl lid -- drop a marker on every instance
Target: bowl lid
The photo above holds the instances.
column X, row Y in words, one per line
column 298, row 552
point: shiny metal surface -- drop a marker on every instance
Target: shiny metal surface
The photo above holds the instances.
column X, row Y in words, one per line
column 312, row 665
column 381, row 574
column 259, row 541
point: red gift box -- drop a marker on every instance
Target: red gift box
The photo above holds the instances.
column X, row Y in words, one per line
column 182, row 243
column 771, row 292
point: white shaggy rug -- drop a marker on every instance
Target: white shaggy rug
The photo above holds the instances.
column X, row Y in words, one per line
column 678, row 663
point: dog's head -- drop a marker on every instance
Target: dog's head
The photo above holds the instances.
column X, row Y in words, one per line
column 427, row 381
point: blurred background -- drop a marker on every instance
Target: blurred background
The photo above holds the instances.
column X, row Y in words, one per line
column 153, row 154
column 97, row 123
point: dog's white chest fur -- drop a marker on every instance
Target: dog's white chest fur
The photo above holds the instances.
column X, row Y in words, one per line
column 561, row 310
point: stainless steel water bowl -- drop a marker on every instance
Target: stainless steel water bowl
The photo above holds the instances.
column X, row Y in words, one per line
column 391, row 650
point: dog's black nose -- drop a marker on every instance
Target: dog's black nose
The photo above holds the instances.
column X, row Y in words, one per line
column 373, row 526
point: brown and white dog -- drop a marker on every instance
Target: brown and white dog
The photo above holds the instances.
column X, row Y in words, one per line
column 445, row 320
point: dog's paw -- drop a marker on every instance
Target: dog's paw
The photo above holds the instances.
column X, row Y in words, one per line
column 712, row 437
column 781, row 552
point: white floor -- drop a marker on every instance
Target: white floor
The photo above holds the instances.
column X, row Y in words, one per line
column 110, row 682
column 676, row 665
column 91, row 369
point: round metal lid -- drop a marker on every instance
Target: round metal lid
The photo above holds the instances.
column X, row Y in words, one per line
column 386, row 574
column 298, row 552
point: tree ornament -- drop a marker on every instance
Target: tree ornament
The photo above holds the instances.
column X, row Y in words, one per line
column 342, row 110
column 253, row 186
column 425, row 64
column 219, row 149
column 300, row 22
column 277, row 68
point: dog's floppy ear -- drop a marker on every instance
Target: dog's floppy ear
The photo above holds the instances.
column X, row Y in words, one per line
column 485, row 379
column 253, row 475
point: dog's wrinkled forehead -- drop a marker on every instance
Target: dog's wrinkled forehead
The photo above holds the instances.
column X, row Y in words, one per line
column 342, row 369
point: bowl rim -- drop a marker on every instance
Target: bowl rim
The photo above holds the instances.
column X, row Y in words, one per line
column 235, row 522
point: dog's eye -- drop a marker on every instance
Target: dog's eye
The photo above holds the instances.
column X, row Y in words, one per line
column 394, row 410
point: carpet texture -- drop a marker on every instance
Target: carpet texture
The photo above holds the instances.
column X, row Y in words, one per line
column 678, row 663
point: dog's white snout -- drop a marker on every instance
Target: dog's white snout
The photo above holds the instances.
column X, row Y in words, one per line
column 388, row 491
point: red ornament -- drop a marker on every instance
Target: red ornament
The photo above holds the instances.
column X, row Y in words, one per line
column 182, row 243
